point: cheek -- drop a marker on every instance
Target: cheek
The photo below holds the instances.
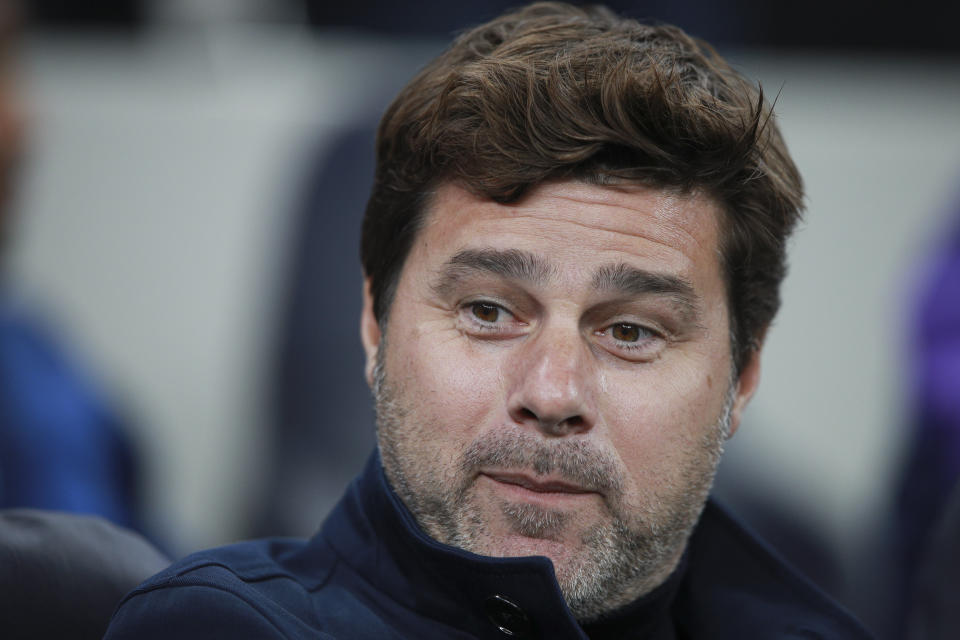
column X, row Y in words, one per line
column 658, row 420
column 453, row 390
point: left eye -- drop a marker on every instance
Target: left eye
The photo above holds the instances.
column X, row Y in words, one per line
column 486, row 312
column 631, row 336
column 625, row 332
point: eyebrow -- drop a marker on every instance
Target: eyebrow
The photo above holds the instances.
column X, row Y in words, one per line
column 511, row 264
column 514, row 264
column 625, row 279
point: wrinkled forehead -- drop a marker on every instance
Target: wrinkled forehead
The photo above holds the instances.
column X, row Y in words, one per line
column 624, row 215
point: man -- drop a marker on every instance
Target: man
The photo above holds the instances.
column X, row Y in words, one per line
column 572, row 252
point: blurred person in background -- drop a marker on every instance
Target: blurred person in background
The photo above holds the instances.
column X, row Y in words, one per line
column 929, row 577
column 572, row 251
column 62, row 447
column 67, row 470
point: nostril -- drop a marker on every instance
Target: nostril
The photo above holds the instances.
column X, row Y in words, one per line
column 526, row 414
column 550, row 424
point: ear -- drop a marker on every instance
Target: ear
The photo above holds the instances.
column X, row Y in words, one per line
column 369, row 332
column 747, row 384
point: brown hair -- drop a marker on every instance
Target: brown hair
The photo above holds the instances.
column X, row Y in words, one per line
column 553, row 91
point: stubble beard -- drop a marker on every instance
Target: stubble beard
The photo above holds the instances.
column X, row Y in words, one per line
column 624, row 557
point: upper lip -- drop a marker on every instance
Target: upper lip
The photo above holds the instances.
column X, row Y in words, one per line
column 540, row 485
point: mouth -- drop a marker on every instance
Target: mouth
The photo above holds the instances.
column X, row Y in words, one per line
column 536, row 484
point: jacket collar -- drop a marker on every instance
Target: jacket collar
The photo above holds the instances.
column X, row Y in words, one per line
column 375, row 534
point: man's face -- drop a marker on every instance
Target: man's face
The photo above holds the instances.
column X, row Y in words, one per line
column 555, row 380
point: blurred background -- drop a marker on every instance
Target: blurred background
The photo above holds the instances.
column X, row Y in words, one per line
column 186, row 221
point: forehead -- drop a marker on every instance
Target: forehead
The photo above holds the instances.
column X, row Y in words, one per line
column 572, row 223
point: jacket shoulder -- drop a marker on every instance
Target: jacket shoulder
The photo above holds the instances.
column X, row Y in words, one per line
column 194, row 611
column 259, row 589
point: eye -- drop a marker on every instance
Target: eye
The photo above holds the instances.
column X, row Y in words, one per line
column 625, row 332
column 632, row 341
column 486, row 319
column 486, row 311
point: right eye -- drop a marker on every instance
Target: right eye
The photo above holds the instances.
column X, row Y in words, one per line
column 631, row 340
column 488, row 312
column 484, row 318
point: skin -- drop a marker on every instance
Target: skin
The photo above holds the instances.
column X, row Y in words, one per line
column 557, row 380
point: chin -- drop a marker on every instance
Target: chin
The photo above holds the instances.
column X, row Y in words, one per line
column 511, row 545
column 515, row 529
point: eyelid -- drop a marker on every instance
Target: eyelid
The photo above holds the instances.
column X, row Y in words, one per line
column 653, row 328
column 487, row 300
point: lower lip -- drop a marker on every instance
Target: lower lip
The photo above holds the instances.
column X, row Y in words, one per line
column 519, row 492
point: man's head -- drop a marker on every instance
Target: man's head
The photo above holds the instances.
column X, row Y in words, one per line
column 573, row 248
column 555, row 91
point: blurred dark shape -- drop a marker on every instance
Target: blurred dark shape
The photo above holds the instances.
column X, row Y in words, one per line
column 321, row 420
column 123, row 15
column 63, row 575
column 922, row 26
column 427, row 18
column 932, row 466
column 717, row 23
column 935, row 613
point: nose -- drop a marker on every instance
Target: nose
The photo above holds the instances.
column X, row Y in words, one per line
column 551, row 388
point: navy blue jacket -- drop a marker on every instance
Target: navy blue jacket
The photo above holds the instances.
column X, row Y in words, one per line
column 372, row 573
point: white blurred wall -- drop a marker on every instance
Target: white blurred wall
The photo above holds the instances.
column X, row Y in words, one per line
column 154, row 217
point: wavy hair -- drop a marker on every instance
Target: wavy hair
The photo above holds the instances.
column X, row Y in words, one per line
column 553, row 91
